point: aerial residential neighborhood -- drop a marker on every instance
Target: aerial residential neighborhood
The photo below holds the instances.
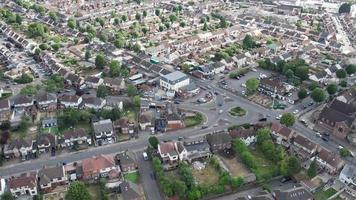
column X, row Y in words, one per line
column 178, row 100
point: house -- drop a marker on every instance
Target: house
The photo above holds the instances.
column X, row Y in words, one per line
column 122, row 125
column 97, row 167
column 219, row 141
column 50, row 122
column 46, row 101
column 240, row 60
column 193, row 149
column 330, row 161
column 25, row 184
column 295, row 193
column 103, row 131
column 76, row 136
column 174, row 81
column 23, row 102
column 5, row 111
column 205, row 71
column 173, row 118
column 348, row 175
column 18, row 148
column 248, row 136
column 217, row 67
column 93, row 103
column 130, row 191
column 114, row 83
column 145, row 120
column 115, row 102
column 168, row 153
column 338, row 118
column 74, row 80
column 70, row 101
column 46, row 142
column 93, row 81
column 127, row 161
column 272, row 85
column 51, row 177
column 282, row 134
column 303, row 147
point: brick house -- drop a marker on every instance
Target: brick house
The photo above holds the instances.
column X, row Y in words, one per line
column 25, row 184
column 98, row 166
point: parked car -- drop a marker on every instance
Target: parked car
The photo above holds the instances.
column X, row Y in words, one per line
column 286, row 179
column 325, row 138
column 278, row 117
column 204, row 126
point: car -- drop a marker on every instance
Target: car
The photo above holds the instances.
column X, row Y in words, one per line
column 326, row 139
column 176, row 102
column 303, row 122
column 340, row 147
column 262, row 119
column 216, row 93
column 286, row 179
column 243, row 85
column 290, row 94
column 296, row 112
column 249, row 197
column 220, row 112
column 311, row 103
column 254, row 69
column 204, row 126
column 278, row 117
column 318, row 134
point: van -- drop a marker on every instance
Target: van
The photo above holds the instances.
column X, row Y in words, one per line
column 145, row 157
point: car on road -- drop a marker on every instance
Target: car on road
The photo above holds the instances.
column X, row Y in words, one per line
column 303, row 122
column 144, row 154
column 220, row 112
column 262, row 119
column 325, row 138
column 340, row 147
column 204, row 126
column 243, row 85
column 254, row 69
column 278, row 117
column 296, row 112
column 318, row 134
column 286, row 179
column 176, row 102
column 216, row 93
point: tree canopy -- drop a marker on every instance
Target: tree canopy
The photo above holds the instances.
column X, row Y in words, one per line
column 252, row 84
column 331, row 88
column 341, row 73
column 318, row 95
column 78, row 191
column 100, row 61
column 345, row 8
column 288, row 119
column 302, row 93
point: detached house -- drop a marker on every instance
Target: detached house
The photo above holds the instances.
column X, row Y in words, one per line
column 338, row 118
column 330, row 161
column 70, row 101
column 282, row 134
column 193, row 149
column 74, row 80
column 51, row 177
column 168, row 154
column 98, row 166
column 25, row 184
column 104, row 131
column 219, row 141
column 248, row 136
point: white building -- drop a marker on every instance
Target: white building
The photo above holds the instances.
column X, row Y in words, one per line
column 174, row 81
column 348, row 175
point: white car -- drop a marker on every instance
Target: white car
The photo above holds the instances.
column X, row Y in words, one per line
column 278, row 117
column 340, row 147
column 295, row 112
column 318, row 134
column 243, row 85
column 254, row 69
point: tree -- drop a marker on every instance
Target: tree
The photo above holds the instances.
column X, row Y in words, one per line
column 138, row 16
column 100, row 61
column 7, row 196
column 136, row 47
column 344, row 152
column 102, row 91
column 87, row 54
column 153, row 141
column 262, row 135
column 302, row 72
column 119, row 43
column 136, row 100
column 331, row 88
column 220, row 56
column 157, row 12
column 248, row 42
column 115, row 68
column 318, row 95
column 343, row 83
column 43, row 46
column 144, row 30
column 131, row 90
column 37, row 30
column 124, row 18
column 223, row 23
column 55, row 47
column 341, row 73
column 101, row 21
column 289, row 73
column 78, row 191
column 180, row 188
column 71, row 23
column 205, row 27
column 345, row 8
column 313, row 169
column 144, row 13
column 53, row 16
column 182, row 24
column 239, row 146
column 30, row 90
column 293, row 165
column 18, row 19
column 302, row 93
column 351, row 68
column 173, row 18
column 252, row 84
column 288, row 119
column 312, row 86
column 237, row 182
column 25, row 78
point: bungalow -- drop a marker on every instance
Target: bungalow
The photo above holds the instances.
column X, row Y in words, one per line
column 70, row 101
column 193, row 149
column 93, row 81
column 219, row 141
column 18, row 148
column 168, row 153
column 103, row 131
column 76, row 136
column 282, row 134
column 124, row 126
column 98, row 166
column 25, row 184
column 51, row 177
column 46, row 101
column 127, row 161
column 330, row 161
column 5, row 111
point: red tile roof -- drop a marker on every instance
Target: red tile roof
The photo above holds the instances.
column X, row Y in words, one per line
column 97, row 163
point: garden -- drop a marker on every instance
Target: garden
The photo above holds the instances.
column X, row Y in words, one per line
column 237, row 112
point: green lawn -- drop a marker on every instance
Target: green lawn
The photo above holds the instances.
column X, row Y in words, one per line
column 94, row 191
column 193, row 121
column 322, row 195
column 237, row 111
column 265, row 168
column 53, row 130
column 133, row 177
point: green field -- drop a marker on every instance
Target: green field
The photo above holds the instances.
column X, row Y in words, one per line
column 265, row 168
column 132, row 177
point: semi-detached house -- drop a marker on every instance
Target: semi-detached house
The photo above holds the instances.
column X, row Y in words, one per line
column 25, row 184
